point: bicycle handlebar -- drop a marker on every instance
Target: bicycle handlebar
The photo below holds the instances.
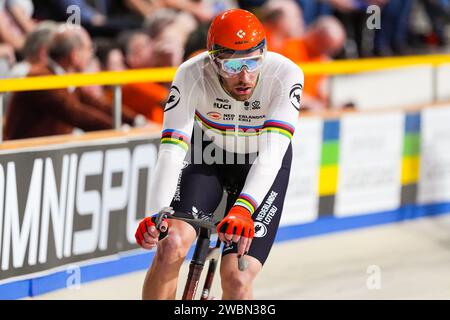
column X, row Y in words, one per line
column 168, row 213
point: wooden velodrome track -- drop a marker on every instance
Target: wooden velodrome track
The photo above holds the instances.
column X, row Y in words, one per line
column 413, row 258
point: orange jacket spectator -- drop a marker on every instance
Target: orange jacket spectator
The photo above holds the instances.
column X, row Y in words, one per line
column 296, row 50
column 321, row 41
column 53, row 112
column 146, row 98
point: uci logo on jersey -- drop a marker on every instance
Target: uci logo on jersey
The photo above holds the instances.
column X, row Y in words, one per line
column 219, row 105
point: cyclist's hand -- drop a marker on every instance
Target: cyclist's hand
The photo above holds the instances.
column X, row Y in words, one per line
column 147, row 236
column 237, row 227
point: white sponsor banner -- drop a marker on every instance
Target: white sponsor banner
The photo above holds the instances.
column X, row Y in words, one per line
column 302, row 199
column 434, row 185
column 369, row 178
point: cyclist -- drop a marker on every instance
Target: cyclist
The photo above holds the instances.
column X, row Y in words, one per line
column 231, row 113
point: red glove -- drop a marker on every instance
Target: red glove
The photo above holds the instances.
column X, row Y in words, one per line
column 238, row 222
column 147, row 236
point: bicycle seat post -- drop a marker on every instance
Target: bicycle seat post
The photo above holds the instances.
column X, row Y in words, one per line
column 197, row 263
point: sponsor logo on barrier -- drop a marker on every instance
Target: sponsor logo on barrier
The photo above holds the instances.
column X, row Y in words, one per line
column 63, row 206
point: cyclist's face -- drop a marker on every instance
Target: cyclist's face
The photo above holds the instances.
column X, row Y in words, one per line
column 241, row 85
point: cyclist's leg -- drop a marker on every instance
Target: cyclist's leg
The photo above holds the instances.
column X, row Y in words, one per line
column 199, row 187
column 162, row 277
column 239, row 284
column 236, row 284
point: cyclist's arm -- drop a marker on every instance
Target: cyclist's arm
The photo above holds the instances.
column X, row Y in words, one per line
column 274, row 140
column 175, row 140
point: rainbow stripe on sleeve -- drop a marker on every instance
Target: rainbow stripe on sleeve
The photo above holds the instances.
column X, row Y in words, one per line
column 170, row 136
column 246, row 201
column 280, row 127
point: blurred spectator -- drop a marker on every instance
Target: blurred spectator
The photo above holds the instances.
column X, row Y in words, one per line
column 100, row 17
column 196, row 42
column 282, row 20
column 145, row 7
column 438, row 12
column 110, row 56
column 392, row 37
column 169, row 31
column 219, row 6
column 200, row 9
column 145, row 98
column 35, row 48
column 22, row 12
column 91, row 13
column 167, row 44
column 255, row 6
column 59, row 111
column 320, row 42
column 137, row 49
column 7, row 59
column 15, row 21
column 157, row 22
column 313, row 9
column 353, row 15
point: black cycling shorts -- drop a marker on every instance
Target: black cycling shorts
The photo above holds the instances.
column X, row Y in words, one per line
column 201, row 188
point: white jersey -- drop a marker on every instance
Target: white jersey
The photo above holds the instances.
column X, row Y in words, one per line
column 265, row 124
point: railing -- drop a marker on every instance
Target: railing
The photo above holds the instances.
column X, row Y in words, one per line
column 119, row 78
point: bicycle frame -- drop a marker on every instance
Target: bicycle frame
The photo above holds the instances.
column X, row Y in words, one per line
column 196, row 267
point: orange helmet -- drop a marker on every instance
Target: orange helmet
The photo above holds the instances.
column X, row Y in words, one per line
column 237, row 30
